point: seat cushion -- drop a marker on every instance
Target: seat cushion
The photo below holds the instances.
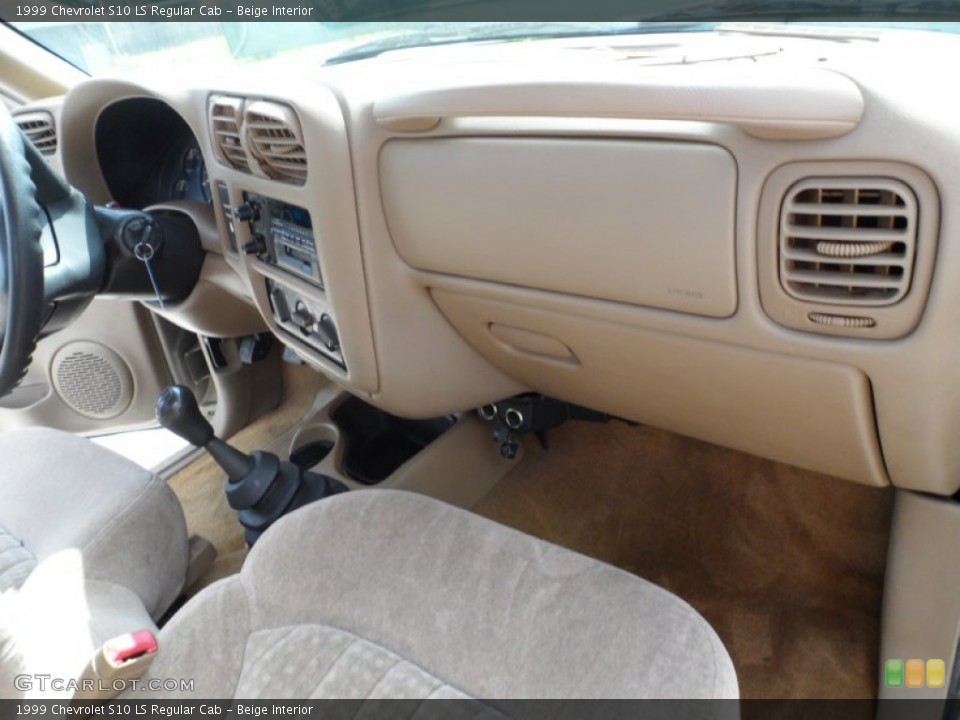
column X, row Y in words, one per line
column 59, row 492
column 380, row 592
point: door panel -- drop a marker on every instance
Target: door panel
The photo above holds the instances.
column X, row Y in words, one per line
column 102, row 373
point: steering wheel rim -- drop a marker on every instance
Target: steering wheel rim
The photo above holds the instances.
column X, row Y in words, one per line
column 21, row 256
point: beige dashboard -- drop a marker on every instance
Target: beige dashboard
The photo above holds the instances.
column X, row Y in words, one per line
column 758, row 252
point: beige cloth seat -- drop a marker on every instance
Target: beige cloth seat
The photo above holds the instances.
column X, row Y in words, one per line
column 91, row 546
column 380, row 593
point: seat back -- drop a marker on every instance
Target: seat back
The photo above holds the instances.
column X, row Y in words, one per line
column 91, row 546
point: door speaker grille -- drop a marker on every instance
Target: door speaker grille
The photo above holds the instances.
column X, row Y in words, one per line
column 92, row 379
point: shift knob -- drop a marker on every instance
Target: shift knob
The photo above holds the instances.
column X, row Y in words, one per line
column 178, row 412
column 260, row 487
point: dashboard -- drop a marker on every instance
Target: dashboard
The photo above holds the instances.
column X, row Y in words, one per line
column 756, row 249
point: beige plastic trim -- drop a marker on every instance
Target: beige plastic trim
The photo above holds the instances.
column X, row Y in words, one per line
column 31, row 72
column 328, row 195
column 812, row 414
column 221, row 304
column 767, row 103
column 244, row 392
column 124, row 327
column 532, row 343
column 106, row 680
column 921, row 602
column 79, row 113
column 459, row 467
column 216, row 306
column 554, row 213
column 892, row 321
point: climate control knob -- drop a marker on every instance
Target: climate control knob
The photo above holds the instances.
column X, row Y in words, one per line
column 302, row 317
column 257, row 246
column 248, row 212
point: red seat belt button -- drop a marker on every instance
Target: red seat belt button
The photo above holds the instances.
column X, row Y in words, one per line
column 125, row 648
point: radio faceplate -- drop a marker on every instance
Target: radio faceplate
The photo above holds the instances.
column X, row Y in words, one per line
column 283, row 236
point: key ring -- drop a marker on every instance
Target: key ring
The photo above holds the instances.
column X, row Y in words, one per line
column 143, row 251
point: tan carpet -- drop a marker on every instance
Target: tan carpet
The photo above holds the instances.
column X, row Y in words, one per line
column 200, row 485
column 786, row 565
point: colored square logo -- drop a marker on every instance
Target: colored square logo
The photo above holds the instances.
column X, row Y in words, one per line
column 936, row 673
column 893, row 673
column 914, row 673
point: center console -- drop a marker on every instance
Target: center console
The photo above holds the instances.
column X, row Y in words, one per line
column 282, row 236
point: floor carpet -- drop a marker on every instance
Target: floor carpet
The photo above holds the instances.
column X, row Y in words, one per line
column 785, row 564
column 199, row 486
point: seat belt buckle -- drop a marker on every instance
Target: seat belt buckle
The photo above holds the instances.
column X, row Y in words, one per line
column 129, row 650
column 119, row 660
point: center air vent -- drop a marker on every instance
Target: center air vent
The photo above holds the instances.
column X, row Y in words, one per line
column 38, row 127
column 847, row 248
column 848, row 241
column 274, row 137
column 226, row 114
column 258, row 137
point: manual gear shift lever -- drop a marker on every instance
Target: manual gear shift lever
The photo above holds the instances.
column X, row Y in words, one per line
column 178, row 412
column 259, row 487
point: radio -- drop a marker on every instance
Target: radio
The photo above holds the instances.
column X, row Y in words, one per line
column 282, row 236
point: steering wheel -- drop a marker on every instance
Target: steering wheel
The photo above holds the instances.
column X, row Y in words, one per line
column 21, row 255
column 40, row 292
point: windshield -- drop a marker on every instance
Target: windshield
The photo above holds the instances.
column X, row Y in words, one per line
column 171, row 47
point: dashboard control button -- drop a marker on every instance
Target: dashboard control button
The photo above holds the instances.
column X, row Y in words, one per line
column 306, row 321
column 327, row 332
column 302, row 318
column 256, row 246
column 280, row 306
column 248, row 212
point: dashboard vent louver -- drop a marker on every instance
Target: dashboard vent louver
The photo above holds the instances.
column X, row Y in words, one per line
column 39, row 128
column 276, row 141
column 226, row 116
column 848, row 241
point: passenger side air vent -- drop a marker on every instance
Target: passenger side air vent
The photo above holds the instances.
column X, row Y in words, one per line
column 38, row 127
column 276, row 141
column 847, row 248
column 225, row 115
column 848, row 241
